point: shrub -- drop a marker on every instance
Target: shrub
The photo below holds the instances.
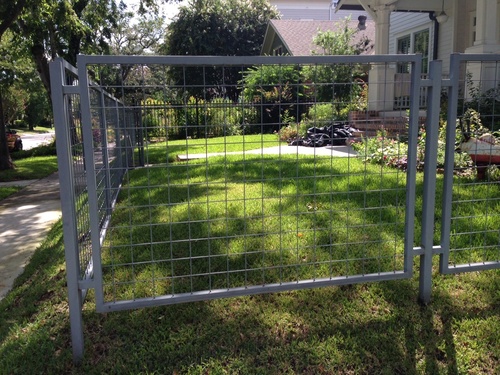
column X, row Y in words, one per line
column 485, row 103
column 292, row 131
column 320, row 114
column 224, row 117
column 42, row 150
column 382, row 150
column 393, row 151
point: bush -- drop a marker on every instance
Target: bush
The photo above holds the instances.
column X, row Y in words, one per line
column 393, row 151
column 43, row 150
column 152, row 122
column 292, row 131
column 382, row 150
column 485, row 103
column 224, row 118
column 320, row 114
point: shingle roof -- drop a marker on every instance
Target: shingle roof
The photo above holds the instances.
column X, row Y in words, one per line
column 298, row 35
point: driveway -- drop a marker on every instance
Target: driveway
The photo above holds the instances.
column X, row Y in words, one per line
column 32, row 140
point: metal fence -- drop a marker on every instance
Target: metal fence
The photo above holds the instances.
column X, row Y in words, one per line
column 176, row 184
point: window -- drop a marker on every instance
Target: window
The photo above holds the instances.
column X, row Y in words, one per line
column 417, row 42
column 472, row 23
column 404, row 49
column 421, row 45
column 278, row 51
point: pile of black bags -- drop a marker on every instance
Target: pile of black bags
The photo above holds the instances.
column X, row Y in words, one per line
column 335, row 134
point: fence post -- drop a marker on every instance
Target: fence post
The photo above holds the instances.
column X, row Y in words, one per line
column 449, row 162
column 67, row 194
column 430, row 165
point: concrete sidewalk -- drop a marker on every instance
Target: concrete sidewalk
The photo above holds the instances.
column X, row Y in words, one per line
column 25, row 219
column 332, row 151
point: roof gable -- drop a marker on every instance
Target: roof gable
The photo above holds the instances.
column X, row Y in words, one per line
column 296, row 36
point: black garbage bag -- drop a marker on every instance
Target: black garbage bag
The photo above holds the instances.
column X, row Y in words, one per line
column 335, row 134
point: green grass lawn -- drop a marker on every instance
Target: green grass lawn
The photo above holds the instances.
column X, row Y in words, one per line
column 27, row 168
column 8, row 190
column 31, row 168
column 251, row 221
column 247, row 204
column 162, row 152
column 367, row 328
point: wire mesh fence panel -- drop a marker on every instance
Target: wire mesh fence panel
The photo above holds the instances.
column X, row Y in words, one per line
column 74, row 168
column 473, row 208
column 247, row 176
column 194, row 178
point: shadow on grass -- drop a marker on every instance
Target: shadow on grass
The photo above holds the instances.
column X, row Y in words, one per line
column 193, row 227
column 373, row 328
column 367, row 328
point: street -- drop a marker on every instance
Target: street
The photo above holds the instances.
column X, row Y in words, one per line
column 32, row 140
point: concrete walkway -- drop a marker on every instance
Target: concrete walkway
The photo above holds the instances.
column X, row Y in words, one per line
column 25, row 219
column 333, row 151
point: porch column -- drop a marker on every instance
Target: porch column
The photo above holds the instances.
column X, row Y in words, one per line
column 486, row 27
column 381, row 77
column 486, row 42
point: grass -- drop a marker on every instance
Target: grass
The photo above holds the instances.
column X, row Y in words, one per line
column 375, row 328
column 32, row 164
column 36, row 129
column 162, row 152
column 8, row 190
column 368, row 328
column 256, row 220
column 30, row 169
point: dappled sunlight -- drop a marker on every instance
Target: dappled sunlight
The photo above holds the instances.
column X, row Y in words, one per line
column 235, row 222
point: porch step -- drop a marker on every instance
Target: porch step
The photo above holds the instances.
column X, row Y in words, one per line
column 369, row 122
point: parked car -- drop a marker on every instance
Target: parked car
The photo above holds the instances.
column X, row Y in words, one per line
column 14, row 140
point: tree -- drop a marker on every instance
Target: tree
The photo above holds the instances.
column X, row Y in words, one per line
column 277, row 91
column 337, row 80
column 9, row 12
column 15, row 69
column 220, row 28
column 132, row 36
column 59, row 28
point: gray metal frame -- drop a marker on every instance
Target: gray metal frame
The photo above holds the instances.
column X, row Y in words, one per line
column 102, row 305
column 104, row 179
column 458, row 65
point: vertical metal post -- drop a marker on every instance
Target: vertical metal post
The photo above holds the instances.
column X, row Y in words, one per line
column 429, row 198
column 95, row 230
column 67, row 194
column 449, row 161
column 411, row 175
column 103, row 120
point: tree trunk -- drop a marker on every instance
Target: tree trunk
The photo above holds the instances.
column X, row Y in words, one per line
column 5, row 160
column 42, row 66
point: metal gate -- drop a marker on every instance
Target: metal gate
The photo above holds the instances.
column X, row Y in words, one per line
column 176, row 185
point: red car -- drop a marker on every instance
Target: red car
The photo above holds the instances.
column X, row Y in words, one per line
column 14, row 140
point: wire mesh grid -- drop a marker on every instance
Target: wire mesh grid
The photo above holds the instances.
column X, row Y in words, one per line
column 230, row 190
column 475, row 212
column 79, row 186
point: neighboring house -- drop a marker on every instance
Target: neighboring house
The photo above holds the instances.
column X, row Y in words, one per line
column 295, row 37
column 320, row 10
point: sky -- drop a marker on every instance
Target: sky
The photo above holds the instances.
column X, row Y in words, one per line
column 170, row 9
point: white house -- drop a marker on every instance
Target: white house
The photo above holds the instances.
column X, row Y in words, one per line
column 434, row 28
column 319, row 10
